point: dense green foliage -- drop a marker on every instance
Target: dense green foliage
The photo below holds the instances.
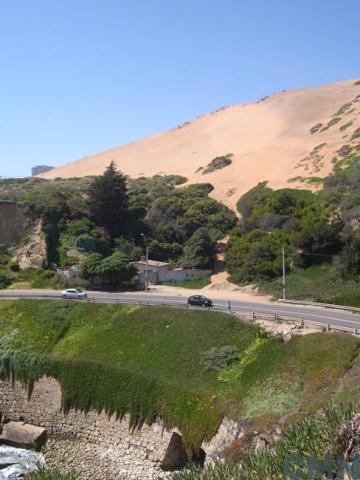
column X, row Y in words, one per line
column 314, row 229
column 313, row 437
column 199, row 250
column 294, row 219
column 105, row 215
column 149, row 362
column 115, row 269
column 176, row 214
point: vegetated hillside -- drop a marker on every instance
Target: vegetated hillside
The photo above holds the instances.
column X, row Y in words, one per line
column 98, row 221
column 289, row 135
column 320, row 233
column 190, row 367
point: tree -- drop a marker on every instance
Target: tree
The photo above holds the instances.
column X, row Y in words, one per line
column 165, row 251
column 89, row 269
column 257, row 255
column 108, row 201
column 199, row 250
column 116, row 269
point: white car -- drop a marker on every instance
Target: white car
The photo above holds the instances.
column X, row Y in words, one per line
column 74, row 293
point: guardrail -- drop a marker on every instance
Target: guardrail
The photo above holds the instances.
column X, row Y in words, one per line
column 323, row 305
column 251, row 315
column 301, row 322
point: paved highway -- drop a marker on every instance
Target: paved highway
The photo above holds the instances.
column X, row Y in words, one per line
column 338, row 318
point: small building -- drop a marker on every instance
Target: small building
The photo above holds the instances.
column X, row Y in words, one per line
column 154, row 268
column 158, row 272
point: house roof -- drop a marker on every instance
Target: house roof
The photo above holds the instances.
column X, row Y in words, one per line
column 152, row 263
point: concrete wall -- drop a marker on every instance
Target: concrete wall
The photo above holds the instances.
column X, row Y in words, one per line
column 180, row 275
column 13, row 223
column 44, row 408
column 183, row 274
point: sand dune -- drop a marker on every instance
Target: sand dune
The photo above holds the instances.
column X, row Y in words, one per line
column 269, row 140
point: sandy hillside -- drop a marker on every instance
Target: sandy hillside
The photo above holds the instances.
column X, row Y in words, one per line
column 269, row 140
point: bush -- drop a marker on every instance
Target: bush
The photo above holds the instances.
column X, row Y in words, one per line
column 5, row 279
column 356, row 134
column 115, row 269
column 220, row 357
column 165, row 251
column 44, row 474
column 89, row 267
column 315, row 128
column 85, row 242
column 256, row 255
column 199, row 250
column 14, row 266
column 218, row 163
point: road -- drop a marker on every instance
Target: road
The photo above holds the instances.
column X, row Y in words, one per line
column 338, row 318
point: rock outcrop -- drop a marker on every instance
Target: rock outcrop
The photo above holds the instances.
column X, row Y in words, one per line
column 33, row 253
column 14, row 223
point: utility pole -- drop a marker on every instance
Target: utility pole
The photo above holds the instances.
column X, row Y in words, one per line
column 284, row 274
column 147, row 261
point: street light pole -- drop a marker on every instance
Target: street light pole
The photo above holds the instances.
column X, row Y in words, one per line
column 284, row 273
column 147, row 261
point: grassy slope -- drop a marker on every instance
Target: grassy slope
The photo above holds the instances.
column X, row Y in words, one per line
column 320, row 284
column 147, row 361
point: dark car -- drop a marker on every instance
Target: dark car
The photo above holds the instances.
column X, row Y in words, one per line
column 200, row 300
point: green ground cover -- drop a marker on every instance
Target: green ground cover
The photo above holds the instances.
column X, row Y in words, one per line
column 312, row 438
column 149, row 362
column 321, row 283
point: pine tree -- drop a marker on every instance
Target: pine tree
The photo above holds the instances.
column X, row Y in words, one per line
column 108, row 201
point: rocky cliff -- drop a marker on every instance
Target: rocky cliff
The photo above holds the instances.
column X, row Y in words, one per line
column 14, row 223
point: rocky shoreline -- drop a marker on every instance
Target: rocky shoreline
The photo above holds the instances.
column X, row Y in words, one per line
column 95, row 462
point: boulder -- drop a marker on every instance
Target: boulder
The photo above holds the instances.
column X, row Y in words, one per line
column 20, row 434
column 175, row 456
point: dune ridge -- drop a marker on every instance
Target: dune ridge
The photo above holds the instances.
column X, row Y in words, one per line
column 277, row 139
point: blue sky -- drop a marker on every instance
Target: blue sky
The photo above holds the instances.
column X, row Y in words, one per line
column 81, row 76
